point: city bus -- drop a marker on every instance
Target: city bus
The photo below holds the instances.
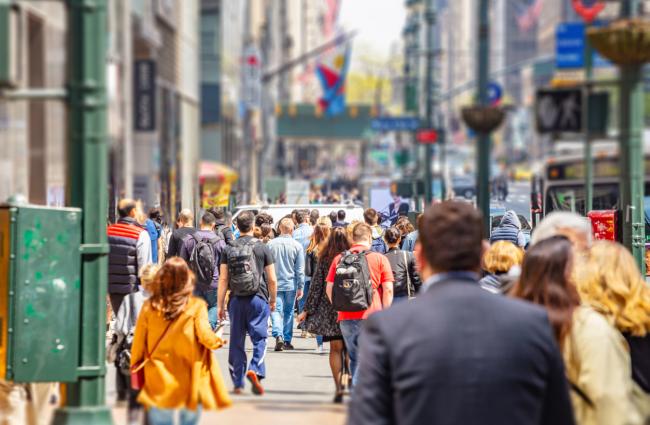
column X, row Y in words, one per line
column 563, row 183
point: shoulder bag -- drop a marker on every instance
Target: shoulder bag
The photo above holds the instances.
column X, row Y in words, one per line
column 137, row 370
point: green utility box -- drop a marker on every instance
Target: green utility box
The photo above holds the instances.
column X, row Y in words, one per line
column 40, row 276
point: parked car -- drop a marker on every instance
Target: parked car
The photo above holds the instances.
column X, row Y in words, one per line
column 464, row 186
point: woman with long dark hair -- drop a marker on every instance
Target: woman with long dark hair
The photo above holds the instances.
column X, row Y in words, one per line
column 173, row 345
column 317, row 244
column 596, row 361
column 319, row 315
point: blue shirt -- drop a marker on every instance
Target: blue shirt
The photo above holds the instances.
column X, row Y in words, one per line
column 459, row 275
column 154, row 234
column 289, row 257
column 302, row 234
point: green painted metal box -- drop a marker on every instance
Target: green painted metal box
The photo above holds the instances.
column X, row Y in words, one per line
column 40, row 267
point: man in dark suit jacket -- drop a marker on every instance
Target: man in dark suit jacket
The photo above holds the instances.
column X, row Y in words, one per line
column 457, row 354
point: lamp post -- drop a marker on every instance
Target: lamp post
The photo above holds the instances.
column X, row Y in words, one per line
column 483, row 118
column 627, row 44
column 430, row 17
column 88, row 162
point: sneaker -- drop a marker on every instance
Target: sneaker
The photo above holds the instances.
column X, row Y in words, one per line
column 238, row 391
column 255, row 382
column 279, row 344
column 319, row 349
column 288, row 347
column 338, row 398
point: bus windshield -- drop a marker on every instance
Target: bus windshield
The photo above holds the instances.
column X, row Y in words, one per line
column 572, row 198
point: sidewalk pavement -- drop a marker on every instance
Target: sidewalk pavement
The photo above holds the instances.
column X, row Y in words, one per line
column 299, row 390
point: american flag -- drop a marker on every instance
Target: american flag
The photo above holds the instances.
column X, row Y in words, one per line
column 528, row 12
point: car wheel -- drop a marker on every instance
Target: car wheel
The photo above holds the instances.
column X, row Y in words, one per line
column 469, row 194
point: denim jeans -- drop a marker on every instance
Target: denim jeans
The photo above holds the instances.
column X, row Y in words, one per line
column 208, row 294
column 351, row 330
column 166, row 416
column 305, row 292
column 282, row 317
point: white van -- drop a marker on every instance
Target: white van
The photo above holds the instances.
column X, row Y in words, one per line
column 352, row 212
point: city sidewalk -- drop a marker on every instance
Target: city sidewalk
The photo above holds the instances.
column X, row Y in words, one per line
column 299, row 390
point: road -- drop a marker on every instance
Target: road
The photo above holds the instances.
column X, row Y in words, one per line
column 519, row 198
column 299, row 391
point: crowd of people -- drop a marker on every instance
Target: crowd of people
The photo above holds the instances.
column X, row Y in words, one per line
column 433, row 322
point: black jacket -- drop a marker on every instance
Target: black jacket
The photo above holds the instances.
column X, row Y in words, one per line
column 226, row 232
column 402, row 271
column 460, row 355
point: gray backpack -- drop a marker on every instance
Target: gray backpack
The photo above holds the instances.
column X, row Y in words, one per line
column 245, row 278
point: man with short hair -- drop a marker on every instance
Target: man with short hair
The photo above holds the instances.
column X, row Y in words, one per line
column 289, row 258
column 302, row 234
column 340, row 220
column 458, row 354
column 130, row 251
column 247, row 270
column 185, row 228
column 221, row 225
column 381, row 278
column 314, row 215
column 371, row 217
column 206, row 284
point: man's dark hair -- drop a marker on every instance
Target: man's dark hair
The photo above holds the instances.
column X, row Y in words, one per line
column 125, row 207
column 370, row 216
column 301, row 216
column 263, row 218
column 392, row 235
column 218, row 213
column 314, row 215
column 451, row 234
column 341, row 215
column 333, row 216
column 245, row 221
column 208, row 219
column 155, row 214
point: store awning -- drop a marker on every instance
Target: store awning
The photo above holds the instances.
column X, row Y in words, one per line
column 216, row 172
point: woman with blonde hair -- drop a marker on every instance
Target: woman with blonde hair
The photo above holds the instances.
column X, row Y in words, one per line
column 173, row 345
column 596, row 361
column 502, row 264
column 613, row 286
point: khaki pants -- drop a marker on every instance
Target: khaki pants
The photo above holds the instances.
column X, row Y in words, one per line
column 27, row 404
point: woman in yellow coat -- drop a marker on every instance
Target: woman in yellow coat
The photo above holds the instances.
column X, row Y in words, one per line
column 613, row 286
column 174, row 341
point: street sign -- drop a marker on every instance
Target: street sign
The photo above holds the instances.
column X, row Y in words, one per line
column 395, row 124
column 252, row 77
column 559, row 111
column 570, row 47
column 427, row 136
column 144, row 88
column 495, row 93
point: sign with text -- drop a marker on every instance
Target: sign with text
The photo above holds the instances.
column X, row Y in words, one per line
column 395, row 124
column 570, row 47
column 427, row 136
column 144, row 95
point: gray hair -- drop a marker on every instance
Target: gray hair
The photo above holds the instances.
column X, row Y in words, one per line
column 556, row 221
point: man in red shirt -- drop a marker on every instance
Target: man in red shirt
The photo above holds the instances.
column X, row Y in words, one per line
column 381, row 277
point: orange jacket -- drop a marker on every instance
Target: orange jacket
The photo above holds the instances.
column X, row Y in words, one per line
column 182, row 372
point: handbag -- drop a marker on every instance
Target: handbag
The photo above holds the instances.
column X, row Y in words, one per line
column 408, row 276
column 137, row 370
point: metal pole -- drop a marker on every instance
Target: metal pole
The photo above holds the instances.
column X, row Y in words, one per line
column 484, row 140
column 589, row 165
column 631, row 153
column 430, row 16
column 88, row 175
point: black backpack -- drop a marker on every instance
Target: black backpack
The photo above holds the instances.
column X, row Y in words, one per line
column 202, row 261
column 352, row 290
column 245, row 278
